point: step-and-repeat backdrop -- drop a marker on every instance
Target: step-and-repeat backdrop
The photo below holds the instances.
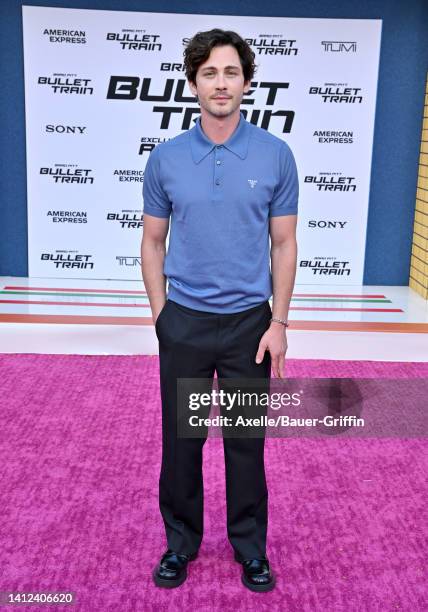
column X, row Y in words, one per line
column 102, row 88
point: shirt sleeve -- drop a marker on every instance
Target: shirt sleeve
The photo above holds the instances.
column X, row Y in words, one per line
column 155, row 200
column 286, row 194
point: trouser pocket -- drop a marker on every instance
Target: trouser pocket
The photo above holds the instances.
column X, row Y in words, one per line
column 160, row 317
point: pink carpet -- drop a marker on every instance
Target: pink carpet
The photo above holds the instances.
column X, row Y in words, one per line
column 79, row 462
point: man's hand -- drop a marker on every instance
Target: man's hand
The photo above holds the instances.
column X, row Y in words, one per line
column 275, row 341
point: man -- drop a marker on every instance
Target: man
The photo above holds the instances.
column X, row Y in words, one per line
column 227, row 186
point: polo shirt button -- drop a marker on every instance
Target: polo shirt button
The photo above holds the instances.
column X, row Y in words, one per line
column 218, row 162
column 217, row 182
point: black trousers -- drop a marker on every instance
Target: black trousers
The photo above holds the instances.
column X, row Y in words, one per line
column 195, row 344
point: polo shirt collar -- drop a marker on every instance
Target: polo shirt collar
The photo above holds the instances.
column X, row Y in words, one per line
column 237, row 143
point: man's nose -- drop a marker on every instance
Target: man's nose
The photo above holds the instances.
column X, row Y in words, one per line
column 220, row 82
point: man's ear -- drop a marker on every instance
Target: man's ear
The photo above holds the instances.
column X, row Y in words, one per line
column 247, row 86
column 192, row 87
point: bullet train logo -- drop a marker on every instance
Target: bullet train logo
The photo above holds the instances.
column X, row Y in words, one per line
column 68, row 259
column 267, row 44
column 273, row 44
column 332, row 181
column 173, row 102
column 129, row 176
column 127, row 219
column 337, row 93
column 135, row 40
column 67, row 216
column 334, row 136
column 326, row 266
column 339, row 46
column 67, row 84
column 72, row 37
column 68, row 173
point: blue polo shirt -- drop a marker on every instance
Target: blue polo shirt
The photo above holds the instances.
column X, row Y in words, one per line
column 220, row 198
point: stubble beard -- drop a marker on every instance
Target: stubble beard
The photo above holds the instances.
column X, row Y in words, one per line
column 220, row 112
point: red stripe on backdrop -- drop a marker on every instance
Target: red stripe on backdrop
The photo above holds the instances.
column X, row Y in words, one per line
column 48, row 303
column 346, row 309
column 339, row 295
column 70, row 289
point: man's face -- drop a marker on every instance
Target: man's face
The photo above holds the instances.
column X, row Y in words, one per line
column 220, row 82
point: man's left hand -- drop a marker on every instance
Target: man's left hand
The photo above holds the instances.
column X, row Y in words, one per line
column 274, row 340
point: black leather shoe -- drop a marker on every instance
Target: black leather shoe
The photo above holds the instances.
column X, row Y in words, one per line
column 172, row 569
column 256, row 574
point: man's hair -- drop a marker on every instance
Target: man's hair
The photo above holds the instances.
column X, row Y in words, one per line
column 200, row 46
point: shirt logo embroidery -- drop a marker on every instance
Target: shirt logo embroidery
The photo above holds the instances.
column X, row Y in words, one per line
column 252, row 183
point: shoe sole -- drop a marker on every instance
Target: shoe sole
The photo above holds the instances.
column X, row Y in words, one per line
column 172, row 584
column 260, row 588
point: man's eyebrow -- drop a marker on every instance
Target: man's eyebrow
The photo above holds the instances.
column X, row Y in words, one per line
column 214, row 67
